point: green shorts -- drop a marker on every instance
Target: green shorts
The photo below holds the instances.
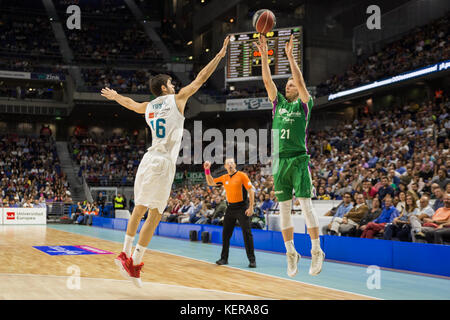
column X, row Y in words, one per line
column 292, row 174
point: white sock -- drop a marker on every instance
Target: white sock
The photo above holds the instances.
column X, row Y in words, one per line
column 138, row 254
column 315, row 244
column 290, row 248
column 127, row 245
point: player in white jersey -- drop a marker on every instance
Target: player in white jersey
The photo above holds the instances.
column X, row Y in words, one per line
column 156, row 171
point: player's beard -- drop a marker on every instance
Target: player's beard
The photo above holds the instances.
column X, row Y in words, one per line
column 292, row 96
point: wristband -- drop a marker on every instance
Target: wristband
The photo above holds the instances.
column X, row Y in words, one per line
column 207, row 172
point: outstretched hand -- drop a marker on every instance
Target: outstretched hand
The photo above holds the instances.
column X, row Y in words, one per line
column 261, row 45
column 109, row 94
column 289, row 46
column 223, row 51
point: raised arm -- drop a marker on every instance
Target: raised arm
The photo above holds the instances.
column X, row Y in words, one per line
column 296, row 73
column 209, row 178
column 267, row 77
column 124, row 101
column 186, row 92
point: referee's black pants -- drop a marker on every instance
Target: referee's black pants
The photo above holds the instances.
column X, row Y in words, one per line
column 233, row 213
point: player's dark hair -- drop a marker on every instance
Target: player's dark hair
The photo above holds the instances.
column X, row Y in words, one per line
column 157, row 81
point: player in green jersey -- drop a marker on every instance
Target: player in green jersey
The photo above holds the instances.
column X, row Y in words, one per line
column 291, row 115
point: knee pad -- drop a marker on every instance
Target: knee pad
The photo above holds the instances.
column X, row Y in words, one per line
column 312, row 221
column 285, row 215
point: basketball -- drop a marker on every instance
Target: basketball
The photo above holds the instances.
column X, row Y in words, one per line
column 264, row 21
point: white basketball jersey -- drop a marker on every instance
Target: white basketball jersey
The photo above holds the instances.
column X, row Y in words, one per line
column 166, row 123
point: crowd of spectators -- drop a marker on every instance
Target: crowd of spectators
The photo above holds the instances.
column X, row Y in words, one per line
column 403, row 217
column 83, row 212
column 29, row 35
column 21, row 92
column 111, row 8
column 30, row 172
column 111, row 161
column 422, row 46
column 102, row 41
column 129, row 81
column 407, row 144
column 202, row 204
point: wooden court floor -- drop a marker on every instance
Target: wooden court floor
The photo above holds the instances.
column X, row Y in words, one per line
column 27, row 273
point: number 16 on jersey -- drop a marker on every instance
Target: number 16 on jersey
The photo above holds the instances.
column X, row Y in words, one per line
column 159, row 129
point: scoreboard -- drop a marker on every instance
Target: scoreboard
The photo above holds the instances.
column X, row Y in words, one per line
column 244, row 61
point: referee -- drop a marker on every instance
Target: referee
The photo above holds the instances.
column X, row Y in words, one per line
column 237, row 185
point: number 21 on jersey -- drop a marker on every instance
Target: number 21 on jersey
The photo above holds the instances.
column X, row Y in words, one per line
column 285, row 133
column 159, row 129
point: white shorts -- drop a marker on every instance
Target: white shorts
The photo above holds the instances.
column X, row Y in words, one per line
column 153, row 181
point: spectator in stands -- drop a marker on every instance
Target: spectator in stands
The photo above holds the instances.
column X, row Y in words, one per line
column 387, row 216
column 76, row 211
column 275, row 209
column 219, row 211
column 393, row 176
column 296, row 208
column 78, row 215
column 194, row 211
column 426, row 173
column 385, row 189
column 425, row 211
column 91, row 211
column 407, row 177
column 101, row 201
column 175, row 208
column 400, row 226
column 439, row 195
column 441, row 179
column 322, row 194
column 400, row 206
column 28, row 203
column 442, row 232
column 414, row 190
column 257, row 221
column 206, row 213
column 368, row 190
column 183, row 212
column 350, row 221
column 373, row 213
column 345, row 206
column 267, row 205
column 440, row 217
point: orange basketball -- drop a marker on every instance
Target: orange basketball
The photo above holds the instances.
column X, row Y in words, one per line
column 264, row 21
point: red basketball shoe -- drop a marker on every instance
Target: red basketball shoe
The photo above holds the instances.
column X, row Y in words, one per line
column 134, row 272
column 120, row 262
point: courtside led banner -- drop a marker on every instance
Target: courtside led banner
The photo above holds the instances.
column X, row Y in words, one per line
column 438, row 67
column 23, row 215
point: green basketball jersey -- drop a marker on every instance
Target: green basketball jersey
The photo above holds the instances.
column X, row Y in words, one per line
column 290, row 124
